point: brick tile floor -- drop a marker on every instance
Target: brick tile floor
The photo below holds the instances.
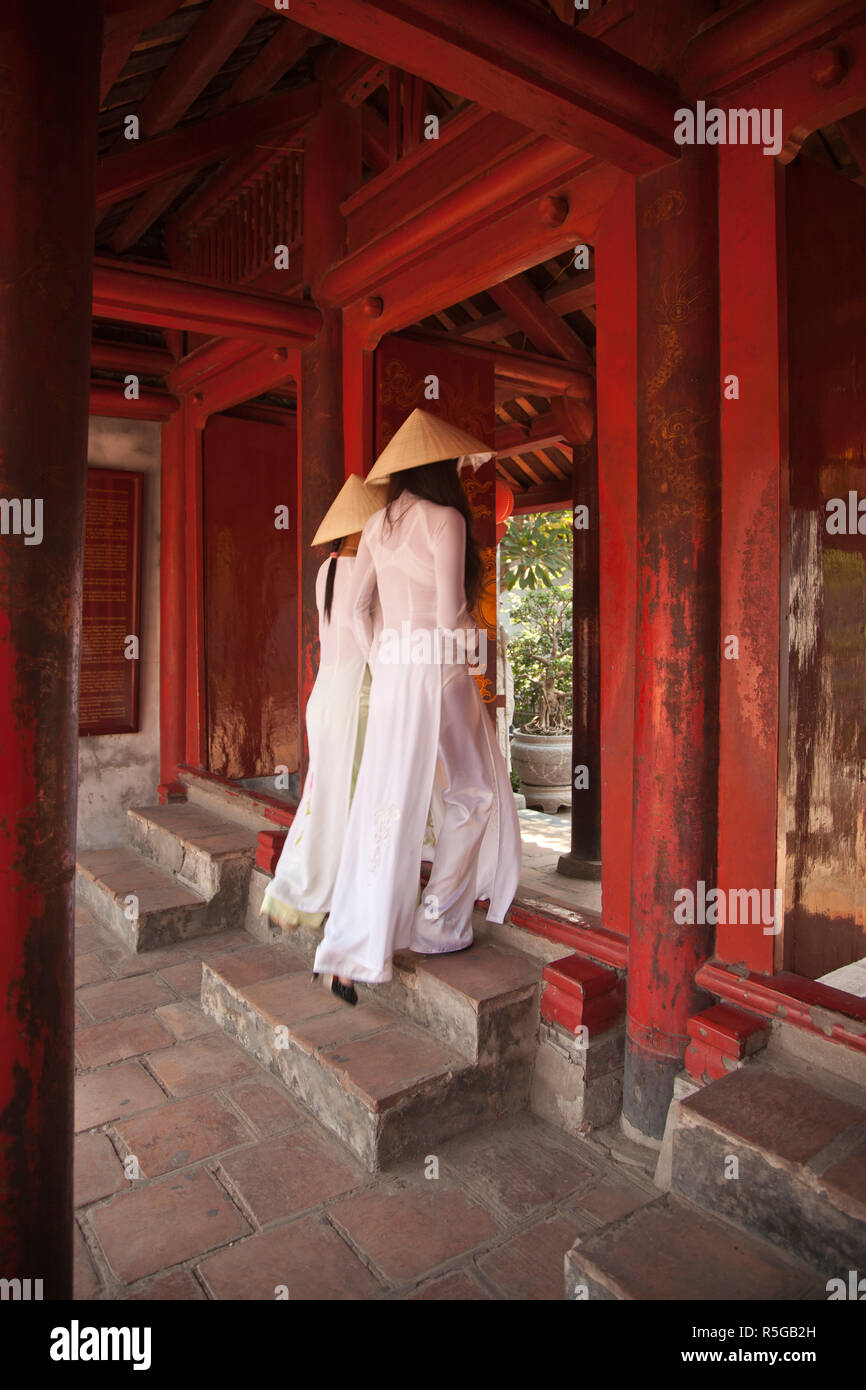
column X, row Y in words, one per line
column 242, row 1192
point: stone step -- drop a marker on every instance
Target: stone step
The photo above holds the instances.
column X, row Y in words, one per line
column 482, row 1002
column 142, row 903
column 669, row 1250
column 799, row 1141
column 206, row 852
column 383, row 1085
column 232, row 803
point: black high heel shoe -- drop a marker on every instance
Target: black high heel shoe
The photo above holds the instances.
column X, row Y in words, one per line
column 347, row 993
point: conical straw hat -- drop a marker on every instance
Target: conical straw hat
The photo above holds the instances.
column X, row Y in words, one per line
column 350, row 510
column 424, row 438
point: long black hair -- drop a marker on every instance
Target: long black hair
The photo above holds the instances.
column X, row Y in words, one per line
column 440, row 482
column 329, row 580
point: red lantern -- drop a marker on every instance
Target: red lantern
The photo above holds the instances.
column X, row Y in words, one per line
column 504, row 503
column 501, row 528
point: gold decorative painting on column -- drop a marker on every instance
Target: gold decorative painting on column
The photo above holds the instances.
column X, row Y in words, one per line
column 460, row 390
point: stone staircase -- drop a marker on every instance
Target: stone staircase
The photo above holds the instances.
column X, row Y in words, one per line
column 449, row 1044
column 184, row 872
column 766, row 1171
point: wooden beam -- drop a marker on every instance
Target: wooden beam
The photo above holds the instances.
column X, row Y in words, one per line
column 547, row 497
column 139, row 294
column 564, row 83
column 740, row 43
column 541, row 376
column 263, row 369
column 191, row 147
column 854, row 130
column 138, row 358
column 210, row 41
column 278, row 55
column 374, row 136
column 541, row 324
column 122, row 33
column 107, row 398
column 355, row 76
column 515, row 439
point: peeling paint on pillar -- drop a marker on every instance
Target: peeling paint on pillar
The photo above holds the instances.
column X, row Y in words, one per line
column 47, row 180
column 677, row 640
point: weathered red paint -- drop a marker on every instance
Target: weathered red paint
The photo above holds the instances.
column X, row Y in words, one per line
column 805, row 1004
column 754, row 461
column 677, row 661
column 172, row 596
column 47, row 178
column 616, row 391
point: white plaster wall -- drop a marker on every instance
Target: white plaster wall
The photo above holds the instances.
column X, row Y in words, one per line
column 120, row 770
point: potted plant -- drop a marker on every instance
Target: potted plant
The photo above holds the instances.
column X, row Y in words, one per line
column 536, row 558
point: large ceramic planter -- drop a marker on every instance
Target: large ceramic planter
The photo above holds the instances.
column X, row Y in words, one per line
column 543, row 764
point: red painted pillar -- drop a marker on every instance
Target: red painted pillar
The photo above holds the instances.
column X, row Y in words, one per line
column 677, row 661
column 49, row 96
column 172, row 599
column 584, row 859
column 332, row 169
column 616, row 413
column 754, row 481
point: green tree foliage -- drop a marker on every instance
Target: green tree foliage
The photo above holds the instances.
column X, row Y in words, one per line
column 541, row 659
column 536, row 550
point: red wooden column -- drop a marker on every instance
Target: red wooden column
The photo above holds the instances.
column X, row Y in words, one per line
column 584, row 859
column 754, row 481
column 677, row 631
column 172, row 601
column 49, row 95
column 332, row 169
column 616, row 396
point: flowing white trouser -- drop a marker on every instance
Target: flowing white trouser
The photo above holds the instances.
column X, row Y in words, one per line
column 443, row 921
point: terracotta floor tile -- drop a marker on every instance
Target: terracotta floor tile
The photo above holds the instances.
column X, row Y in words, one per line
column 269, row 1110
column 290, row 999
column 125, row 963
column 201, row 1065
column 483, row 972
column 182, row 1133
column 85, row 1279
column 117, row 997
column 186, row 1020
column 254, row 963
column 165, row 1223
column 338, row 1027
column 612, row 1197
column 98, row 1171
column 101, row 1043
column 103, row 1095
column 458, row 1287
column 530, row 1266
column 90, row 968
column 185, row 978
column 516, row 1171
column 408, row 1231
column 216, row 943
column 307, row 1257
column 386, row 1066
column 178, row 1287
column 279, row 1177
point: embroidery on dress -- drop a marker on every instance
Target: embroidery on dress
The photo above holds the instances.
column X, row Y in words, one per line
column 384, row 820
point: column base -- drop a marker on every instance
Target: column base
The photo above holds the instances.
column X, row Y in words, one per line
column 647, row 1091
column 574, row 867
